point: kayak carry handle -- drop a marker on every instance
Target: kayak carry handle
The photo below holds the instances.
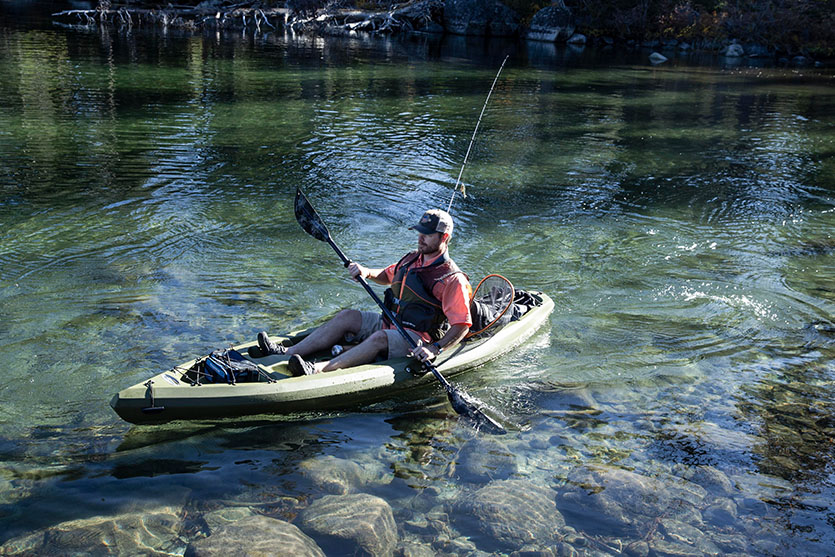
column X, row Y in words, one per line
column 153, row 408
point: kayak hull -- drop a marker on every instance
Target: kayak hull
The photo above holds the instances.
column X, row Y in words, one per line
column 170, row 396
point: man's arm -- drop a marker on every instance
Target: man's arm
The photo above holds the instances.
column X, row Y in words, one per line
column 377, row 275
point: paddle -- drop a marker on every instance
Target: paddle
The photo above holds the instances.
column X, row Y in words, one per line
column 461, row 402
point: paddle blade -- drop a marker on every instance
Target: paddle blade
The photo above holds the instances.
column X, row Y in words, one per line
column 472, row 408
column 309, row 219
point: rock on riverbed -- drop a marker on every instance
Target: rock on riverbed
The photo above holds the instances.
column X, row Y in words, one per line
column 149, row 533
column 620, row 502
column 483, row 460
column 358, row 524
column 257, row 535
column 512, row 513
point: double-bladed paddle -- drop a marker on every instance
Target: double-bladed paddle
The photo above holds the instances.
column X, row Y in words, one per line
column 461, row 402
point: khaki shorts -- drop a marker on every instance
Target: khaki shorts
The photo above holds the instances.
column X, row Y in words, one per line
column 372, row 322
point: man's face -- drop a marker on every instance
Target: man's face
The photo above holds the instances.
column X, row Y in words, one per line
column 429, row 243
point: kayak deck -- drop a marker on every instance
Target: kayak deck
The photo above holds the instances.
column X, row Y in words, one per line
column 173, row 395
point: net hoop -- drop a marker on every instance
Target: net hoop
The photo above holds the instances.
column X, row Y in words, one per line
column 506, row 305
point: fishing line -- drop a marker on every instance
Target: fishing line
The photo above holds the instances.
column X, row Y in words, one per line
column 475, row 131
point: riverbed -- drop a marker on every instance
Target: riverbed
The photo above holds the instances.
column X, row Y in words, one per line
column 678, row 402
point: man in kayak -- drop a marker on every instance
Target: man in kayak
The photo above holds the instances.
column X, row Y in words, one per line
column 428, row 294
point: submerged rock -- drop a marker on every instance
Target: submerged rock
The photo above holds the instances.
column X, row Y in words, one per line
column 620, row 502
column 666, row 548
column 554, row 23
column 485, row 460
column 146, row 533
column 513, row 513
column 713, row 480
column 333, row 475
column 224, row 516
column 721, row 513
column 480, row 17
column 688, row 537
column 259, row 535
column 358, row 524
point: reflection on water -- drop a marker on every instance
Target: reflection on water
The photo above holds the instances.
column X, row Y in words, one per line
column 679, row 400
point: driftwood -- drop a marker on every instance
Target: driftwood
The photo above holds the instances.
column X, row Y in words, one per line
column 234, row 15
column 423, row 15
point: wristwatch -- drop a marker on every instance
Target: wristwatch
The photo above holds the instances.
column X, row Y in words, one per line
column 438, row 346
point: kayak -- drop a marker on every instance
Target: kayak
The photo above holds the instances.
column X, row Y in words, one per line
column 175, row 394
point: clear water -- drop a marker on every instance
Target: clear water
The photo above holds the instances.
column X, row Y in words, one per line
column 681, row 216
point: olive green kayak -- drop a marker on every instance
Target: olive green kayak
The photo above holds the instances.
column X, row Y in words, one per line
column 175, row 395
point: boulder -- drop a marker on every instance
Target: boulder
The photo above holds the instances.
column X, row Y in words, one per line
column 356, row 524
column 256, row 536
column 554, row 23
column 657, row 58
column 512, row 513
column 217, row 519
column 480, row 17
column 734, row 50
column 577, row 39
column 721, row 513
column 621, row 502
column 485, row 459
column 148, row 533
column 712, row 479
column 333, row 475
column 690, row 537
column 758, row 51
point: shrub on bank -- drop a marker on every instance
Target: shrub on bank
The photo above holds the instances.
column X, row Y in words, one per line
column 791, row 26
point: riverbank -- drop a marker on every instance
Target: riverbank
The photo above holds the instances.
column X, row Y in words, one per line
column 802, row 39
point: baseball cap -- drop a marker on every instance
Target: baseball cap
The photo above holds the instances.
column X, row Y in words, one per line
column 433, row 221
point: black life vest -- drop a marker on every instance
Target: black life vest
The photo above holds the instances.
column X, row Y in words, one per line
column 410, row 296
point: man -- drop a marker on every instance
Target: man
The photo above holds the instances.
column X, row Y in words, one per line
column 427, row 293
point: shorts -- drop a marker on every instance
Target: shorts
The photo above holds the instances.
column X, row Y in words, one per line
column 372, row 322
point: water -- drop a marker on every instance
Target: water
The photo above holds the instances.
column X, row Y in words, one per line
column 681, row 217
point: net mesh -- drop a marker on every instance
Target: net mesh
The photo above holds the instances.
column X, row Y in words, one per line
column 491, row 300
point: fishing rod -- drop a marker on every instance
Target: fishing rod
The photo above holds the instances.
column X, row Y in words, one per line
column 472, row 140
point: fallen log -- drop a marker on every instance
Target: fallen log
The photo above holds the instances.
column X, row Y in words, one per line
column 236, row 15
column 423, row 15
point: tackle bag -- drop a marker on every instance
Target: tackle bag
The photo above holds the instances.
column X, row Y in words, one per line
column 226, row 366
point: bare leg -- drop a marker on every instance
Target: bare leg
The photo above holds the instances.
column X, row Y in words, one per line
column 332, row 332
column 364, row 353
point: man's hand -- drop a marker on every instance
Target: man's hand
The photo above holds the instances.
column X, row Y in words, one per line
column 426, row 352
column 357, row 270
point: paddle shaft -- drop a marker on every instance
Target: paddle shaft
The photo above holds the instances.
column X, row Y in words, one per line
column 390, row 316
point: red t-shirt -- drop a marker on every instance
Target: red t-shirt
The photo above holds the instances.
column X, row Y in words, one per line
column 454, row 293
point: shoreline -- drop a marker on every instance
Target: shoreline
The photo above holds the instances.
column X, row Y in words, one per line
column 424, row 17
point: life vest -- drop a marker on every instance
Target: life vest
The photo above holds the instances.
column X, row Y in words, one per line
column 410, row 296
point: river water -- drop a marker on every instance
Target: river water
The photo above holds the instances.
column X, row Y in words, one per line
column 678, row 402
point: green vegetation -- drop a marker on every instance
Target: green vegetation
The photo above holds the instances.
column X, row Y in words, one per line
column 787, row 25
